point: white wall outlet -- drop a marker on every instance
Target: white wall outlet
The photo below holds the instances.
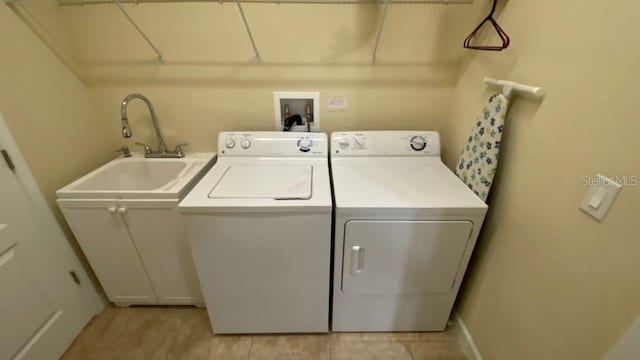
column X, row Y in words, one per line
column 337, row 103
column 602, row 192
column 303, row 103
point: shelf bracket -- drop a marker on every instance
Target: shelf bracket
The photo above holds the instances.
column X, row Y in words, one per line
column 381, row 21
column 144, row 36
column 246, row 26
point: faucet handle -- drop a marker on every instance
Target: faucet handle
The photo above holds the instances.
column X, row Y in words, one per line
column 147, row 148
column 179, row 149
column 125, row 151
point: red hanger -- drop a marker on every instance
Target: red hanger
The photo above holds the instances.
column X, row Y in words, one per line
column 503, row 35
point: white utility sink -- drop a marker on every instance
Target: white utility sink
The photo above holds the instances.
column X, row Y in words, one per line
column 140, row 177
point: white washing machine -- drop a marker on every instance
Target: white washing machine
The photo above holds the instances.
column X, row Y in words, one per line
column 259, row 225
column 405, row 228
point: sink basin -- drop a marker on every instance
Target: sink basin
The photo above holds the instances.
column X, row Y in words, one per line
column 133, row 175
column 139, row 177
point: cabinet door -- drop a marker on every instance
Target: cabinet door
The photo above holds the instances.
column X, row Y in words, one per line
column 103, row 236
column 402, row 257
column 157, row 231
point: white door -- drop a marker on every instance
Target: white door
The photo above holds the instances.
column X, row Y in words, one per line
column 41, row 308
column 402, row 257
column 103, row 235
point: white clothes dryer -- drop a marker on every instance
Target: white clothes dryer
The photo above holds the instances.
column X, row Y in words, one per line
column 405, row 228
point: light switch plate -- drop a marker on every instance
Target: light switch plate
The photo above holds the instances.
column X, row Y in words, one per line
column 602, row 192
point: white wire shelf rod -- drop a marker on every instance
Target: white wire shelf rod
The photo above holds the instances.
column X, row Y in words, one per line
column 246, row 26
column 135, row 25
column 381, row 21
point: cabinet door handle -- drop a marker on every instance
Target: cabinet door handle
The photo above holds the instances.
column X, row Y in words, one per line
column 122, row 210
column 112, row 209
column 357, row 259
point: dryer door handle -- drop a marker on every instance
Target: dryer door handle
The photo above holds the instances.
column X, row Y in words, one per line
column 357, row 259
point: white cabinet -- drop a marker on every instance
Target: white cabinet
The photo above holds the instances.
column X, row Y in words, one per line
column 156, row 230
column 137, row 249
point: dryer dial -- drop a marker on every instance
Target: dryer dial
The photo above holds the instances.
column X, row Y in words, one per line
column 230, row 143
column 245, row 143
column 418, row 143
column 359, row 141
column 343, row 143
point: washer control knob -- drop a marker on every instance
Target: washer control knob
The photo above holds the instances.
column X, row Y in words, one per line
column 359, row 141
column 230, row 143
column 305, row 144
column 245, row 143
column 418, row 143
column 343, row 142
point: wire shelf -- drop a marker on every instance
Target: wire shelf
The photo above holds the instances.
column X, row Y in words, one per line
column 28, row 18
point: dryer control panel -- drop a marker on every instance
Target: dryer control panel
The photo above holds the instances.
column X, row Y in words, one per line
column 272, row 143
column 385, row 143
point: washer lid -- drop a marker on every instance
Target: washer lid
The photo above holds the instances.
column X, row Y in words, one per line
column 252, row 181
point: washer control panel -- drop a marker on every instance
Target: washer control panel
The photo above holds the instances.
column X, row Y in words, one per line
column 272, row 143
column 418, row 142
column 385, row 143
column 230, row 143
column 305, row 143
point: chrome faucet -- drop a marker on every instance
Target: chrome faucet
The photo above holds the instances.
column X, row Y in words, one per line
column 162, row 146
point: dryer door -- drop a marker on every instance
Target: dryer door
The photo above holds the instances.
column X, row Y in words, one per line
column 402, row 257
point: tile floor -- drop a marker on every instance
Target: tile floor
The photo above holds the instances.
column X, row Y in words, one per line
column 170, row 333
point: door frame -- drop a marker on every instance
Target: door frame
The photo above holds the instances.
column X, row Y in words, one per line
column 628, row 346
column 96, row 302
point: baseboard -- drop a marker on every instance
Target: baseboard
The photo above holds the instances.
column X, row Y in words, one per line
column 465, row 339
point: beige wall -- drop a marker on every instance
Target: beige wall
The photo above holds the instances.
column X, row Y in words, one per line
column 548, row 281
column 197, row 115
column 49, row 111
column 210, row 82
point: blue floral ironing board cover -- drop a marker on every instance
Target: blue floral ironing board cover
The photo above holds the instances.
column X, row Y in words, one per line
column 479, row 159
